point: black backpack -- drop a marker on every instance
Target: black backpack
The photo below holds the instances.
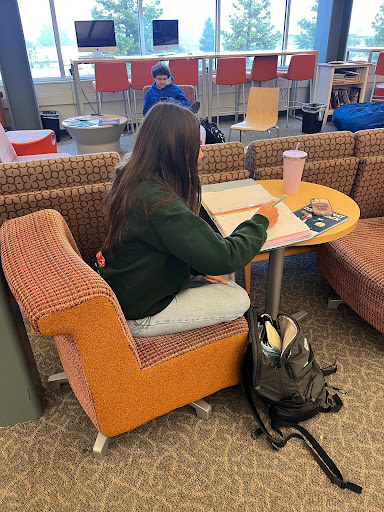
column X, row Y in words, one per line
column 212, row 133
column 279, row 367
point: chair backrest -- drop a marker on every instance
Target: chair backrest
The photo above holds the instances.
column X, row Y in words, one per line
column 188, row 90
column 302, row 66
column 264, row 68
column 83, row 208
column 263, row 105
column 185, row 71
column 111, row 77
column 222, row 162
column 231, row 70
column 7, row 152
column 379, row 70
column 141, row 73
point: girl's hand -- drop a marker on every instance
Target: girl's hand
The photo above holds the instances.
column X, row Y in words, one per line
column 217, row 279
column 271, row 212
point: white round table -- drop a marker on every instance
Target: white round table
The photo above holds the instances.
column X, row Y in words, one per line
column 96, row 133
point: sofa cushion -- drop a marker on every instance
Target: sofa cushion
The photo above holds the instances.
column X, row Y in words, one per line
column 369, row 143
column 322, row 146
column 16, row 178
column 368, row 187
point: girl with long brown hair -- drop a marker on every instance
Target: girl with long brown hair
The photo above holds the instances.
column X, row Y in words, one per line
column 164, row 263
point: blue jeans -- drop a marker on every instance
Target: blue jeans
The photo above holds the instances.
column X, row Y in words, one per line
column 199, row 304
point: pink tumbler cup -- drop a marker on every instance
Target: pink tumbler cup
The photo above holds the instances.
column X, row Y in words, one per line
column 293, row 165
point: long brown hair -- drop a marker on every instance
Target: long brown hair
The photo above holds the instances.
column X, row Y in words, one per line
column 165, row 151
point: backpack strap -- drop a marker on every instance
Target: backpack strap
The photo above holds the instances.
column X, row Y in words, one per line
column 322, row 458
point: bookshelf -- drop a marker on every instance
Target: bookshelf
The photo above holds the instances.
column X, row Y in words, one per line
column 340, row 83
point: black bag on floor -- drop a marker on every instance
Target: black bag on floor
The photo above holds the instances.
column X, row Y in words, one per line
column 212, row 133
column 278, row 366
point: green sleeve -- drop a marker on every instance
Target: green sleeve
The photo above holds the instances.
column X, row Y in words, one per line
column 193, row 241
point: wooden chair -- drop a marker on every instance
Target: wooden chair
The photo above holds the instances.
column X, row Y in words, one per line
column 262, row 111
column 120, row 381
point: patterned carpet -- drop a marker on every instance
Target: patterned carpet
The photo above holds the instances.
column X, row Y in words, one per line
column 179, row 462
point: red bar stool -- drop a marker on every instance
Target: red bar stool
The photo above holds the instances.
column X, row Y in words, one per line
column 185, row 71
column 301, row 67
column 230, row 71
column 377, row 93
column 140, row 77
column 264, row 69
column 112, row 77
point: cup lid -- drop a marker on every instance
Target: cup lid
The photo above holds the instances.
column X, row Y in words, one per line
column 295, row 154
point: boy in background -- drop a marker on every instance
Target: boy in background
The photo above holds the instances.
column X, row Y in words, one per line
column 163, row 89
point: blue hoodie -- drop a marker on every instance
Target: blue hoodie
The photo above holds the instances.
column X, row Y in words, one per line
column 153, row 95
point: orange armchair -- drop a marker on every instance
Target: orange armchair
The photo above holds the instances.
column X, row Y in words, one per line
column 121, row 382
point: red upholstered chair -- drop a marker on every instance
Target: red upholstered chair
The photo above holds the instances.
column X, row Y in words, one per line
column 8, row 153
column 377, row 93
column 188, row 90
column 32, row 142
column 140, row 77
column 230, row 71
column 112, row 77
column 264, row 68
column 301, row 67
column 185, row 71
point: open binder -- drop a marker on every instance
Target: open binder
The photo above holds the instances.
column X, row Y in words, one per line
column 230, row 206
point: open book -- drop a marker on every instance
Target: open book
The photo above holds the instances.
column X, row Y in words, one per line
column 230, row 206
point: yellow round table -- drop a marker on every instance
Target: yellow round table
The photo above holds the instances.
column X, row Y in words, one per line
column 340, row 203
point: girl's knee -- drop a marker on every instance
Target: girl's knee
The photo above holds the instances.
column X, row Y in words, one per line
column 240, row 300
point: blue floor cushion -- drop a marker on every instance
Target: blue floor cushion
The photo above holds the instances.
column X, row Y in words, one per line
column 359, row 116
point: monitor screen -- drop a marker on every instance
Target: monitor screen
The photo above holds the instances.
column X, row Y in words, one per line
column 165, row 34
column 95, row 36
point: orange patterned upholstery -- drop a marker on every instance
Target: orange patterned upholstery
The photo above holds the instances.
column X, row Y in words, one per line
column 222, row 162
column 121, row 382
column 330, row 162
column 354, row 267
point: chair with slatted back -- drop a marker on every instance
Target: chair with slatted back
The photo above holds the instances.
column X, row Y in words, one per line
column 186, row 71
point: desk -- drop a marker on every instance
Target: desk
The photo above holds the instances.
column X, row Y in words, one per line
column 132, row 58
column 339, row 201
column 370, row 50
column 206, row 107
column 211, row 56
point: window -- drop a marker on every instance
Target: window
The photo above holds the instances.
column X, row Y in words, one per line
column 196, row 23
column 302, row 25
column 366, row 27
column 252, row 25
column 244, row 25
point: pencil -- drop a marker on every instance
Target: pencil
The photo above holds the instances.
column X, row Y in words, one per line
column 278, row 201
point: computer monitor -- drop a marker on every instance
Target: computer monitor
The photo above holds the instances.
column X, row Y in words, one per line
column 96, row 36
column 165, row 35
